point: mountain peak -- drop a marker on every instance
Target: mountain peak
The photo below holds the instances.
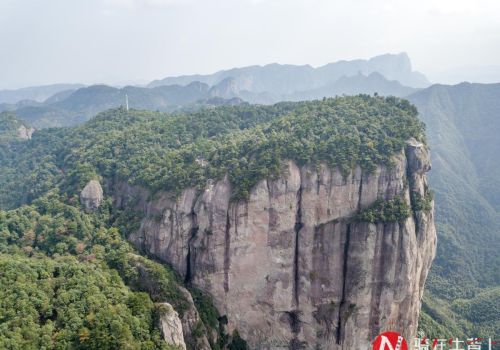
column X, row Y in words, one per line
column 281, row 79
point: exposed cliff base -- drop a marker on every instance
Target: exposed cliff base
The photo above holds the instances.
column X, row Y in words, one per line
column 290, row 267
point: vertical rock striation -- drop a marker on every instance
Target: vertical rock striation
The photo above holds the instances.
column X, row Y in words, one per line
column 289, row 267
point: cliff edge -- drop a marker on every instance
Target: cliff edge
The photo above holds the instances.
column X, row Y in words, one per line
column 307, row 261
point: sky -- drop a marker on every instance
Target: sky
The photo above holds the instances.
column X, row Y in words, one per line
column 136, row 41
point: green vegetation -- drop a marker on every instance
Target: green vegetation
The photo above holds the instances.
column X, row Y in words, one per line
column 62, row 303
column 465, row 317
column 70, row 108
column 68, row 270
column 463, row 128
column 392, row 210
column 40, row 179
column 249, row 143
column 237, row 343
column 422, row 203
column 9, row 124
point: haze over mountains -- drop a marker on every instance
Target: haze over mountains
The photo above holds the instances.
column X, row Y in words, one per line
column 35, row 93
column 462, row 127
column 389, row 74
column 287, row 79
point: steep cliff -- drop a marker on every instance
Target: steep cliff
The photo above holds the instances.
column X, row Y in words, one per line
column 292, row 266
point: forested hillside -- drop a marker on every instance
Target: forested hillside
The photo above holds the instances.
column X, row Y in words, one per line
column 70, row 108
column 463, row 123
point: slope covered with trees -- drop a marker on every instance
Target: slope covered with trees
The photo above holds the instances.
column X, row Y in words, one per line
column 463, row 127
column 172, row 152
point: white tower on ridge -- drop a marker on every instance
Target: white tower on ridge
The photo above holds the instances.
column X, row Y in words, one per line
column 126, row 101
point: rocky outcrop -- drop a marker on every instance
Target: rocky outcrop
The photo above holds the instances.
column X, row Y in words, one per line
column 227, row 88
column 418, row 157
column 289, row 267
column 92, row 195
column 171, row 326
column 194, row 329
column 24, row 132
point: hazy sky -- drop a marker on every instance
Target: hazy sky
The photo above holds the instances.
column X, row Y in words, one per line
column 121, row 41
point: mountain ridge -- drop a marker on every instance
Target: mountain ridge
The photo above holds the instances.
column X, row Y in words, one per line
column 304, row 77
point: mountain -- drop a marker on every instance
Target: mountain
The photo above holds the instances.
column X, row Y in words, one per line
column 72, row 108
column 463, row 125
column 313, row 220
column 35, row 93
column 75, row 107
column 287, row 79
column 385, row 75
column 21, row 104
column 374, row 83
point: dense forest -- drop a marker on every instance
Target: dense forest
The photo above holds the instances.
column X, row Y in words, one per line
column 462, row 129
column 172, row 152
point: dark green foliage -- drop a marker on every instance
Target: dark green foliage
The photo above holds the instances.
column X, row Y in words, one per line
column 154, row 278
column 392, row 210
column 63, row 303
column 482, row 311
column 52, row 226
column 204, row 304
column 422, row 203
column 237, row 343
column 211, row 319
column 473, row 316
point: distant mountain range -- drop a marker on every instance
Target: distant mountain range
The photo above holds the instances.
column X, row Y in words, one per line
column 286, row 79
column 72, row 108
column 35, row 93
column 64, row 105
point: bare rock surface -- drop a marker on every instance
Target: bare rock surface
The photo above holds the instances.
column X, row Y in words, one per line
column 92, row 195
column 24, row 132
column 171, row 326
column 288, row 266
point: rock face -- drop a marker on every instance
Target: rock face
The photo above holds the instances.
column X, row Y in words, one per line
column 289, row 267
column 25, row 133
column 171, row 326
column 194, row 330
column 92, row 195
column 194, row 333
